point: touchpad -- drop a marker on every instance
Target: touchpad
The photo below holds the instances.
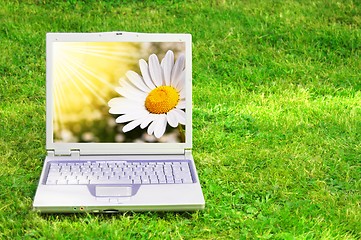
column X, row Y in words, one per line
column 113, row 191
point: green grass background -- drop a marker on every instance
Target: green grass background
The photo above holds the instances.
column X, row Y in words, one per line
column 277, row 117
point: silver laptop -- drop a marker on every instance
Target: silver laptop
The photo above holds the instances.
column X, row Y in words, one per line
column 118, row 124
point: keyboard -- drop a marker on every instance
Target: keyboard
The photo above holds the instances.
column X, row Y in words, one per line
column 118, row 172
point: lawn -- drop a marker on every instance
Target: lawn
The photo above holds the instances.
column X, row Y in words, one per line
column 276, row 117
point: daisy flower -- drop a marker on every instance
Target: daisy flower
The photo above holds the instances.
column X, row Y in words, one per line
column 153, row 99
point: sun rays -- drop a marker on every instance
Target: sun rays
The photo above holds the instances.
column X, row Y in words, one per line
column 84, row 77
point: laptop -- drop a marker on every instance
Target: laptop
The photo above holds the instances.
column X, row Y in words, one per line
column 118, row 124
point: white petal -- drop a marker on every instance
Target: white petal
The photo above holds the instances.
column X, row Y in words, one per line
column 137, row 81
column 124, row 109
column 155, row 70
column 167, row 65
column 177, row 70
column 137, row 96
column 181, row 104
column 148, row 119
column 160, row 127
column 131, row 116
column 145, row 73
column 122, row 101
column 116, row 101
column 153, row 125
column 182, row 93
column 180, row 81
column 172, row 119
column 181, row 115
column 132, row 125
column 124, row 82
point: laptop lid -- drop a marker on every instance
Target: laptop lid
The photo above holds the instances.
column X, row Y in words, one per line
column 118, row 93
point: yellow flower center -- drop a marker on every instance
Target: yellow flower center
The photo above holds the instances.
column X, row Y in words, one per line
column 162, row 99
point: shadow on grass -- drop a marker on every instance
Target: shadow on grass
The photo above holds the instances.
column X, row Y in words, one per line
column 110, row 216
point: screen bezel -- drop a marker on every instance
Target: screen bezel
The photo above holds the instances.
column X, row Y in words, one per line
column 117, row 148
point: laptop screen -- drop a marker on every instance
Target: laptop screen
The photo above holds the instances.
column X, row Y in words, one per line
column 118, row 92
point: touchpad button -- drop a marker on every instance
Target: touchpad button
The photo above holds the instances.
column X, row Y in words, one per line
column 113, row 191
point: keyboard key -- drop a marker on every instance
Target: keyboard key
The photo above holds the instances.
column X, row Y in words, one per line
column 83, row 181
column 187, row 180
column 145, row 181
column 51, row 181
column 62, row 181
column 125, row 181
column 162, row 180
column 170, row 180
column 73, row 181
column 137, row 181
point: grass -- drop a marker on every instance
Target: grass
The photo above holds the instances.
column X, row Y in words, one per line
column 277, row 117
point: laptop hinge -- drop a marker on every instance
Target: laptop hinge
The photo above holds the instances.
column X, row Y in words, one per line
column 74, row 154
column 188, row 152
column 51, row 153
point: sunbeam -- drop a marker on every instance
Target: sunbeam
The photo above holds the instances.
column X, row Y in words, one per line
column 85, row 74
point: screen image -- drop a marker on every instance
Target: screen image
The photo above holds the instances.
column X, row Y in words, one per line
column 111, row 92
